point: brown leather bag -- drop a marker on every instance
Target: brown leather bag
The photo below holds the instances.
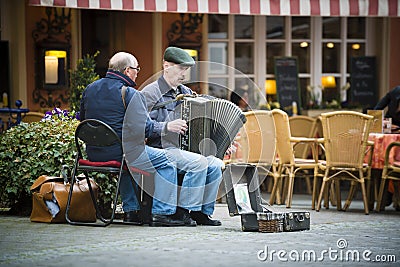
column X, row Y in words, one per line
column 49, row 192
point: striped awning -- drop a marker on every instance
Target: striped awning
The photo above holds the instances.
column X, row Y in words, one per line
column 380, row 8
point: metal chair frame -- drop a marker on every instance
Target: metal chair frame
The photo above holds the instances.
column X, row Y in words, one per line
column 97, row 133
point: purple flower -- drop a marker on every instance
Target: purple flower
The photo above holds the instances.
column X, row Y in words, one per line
column 58, row 114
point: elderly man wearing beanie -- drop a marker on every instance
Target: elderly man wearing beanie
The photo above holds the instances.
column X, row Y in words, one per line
column 198, row 192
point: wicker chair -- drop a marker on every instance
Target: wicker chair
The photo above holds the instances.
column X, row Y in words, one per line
column 257, row 142
column 303, row 126
column 346, row 144
column 258, row 138
column 287, row 162
column 390, row 171
column 32, row 116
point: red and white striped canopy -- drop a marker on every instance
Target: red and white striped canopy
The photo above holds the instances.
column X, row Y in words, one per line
column 381, row 8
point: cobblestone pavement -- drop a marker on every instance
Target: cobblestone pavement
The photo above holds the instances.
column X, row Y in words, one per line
column 336, row 238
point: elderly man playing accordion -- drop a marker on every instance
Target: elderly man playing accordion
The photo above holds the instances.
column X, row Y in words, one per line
column 200, row 192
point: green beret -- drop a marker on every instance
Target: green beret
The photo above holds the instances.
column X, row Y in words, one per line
column 178, row 56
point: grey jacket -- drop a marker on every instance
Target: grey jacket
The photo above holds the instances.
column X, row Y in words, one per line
column 156, row 93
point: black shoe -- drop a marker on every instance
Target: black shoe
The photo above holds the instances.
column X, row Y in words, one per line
column 203, row 219
column 132, row 217
column 165, row 220
column 183, row 215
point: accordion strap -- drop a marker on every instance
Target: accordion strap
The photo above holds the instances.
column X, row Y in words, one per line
column 177, row 98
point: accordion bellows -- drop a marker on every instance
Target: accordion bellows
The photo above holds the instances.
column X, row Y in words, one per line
column 213, row 124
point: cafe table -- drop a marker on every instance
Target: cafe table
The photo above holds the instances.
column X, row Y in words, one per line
column 381, row 142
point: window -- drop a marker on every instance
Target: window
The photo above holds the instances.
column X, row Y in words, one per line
column 301, row 48
column 322, row 45
column 244, row 60
column 273, row 50
column 331, row 28
column 330, row 57
column 342, row 38
column 356, row 28
column 237, row 33
column 218, row 55
column 244, row 27
column 217, row 26
column 301, row 28
column 275, row 41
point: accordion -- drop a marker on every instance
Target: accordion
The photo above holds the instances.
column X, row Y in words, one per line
column 213, row 124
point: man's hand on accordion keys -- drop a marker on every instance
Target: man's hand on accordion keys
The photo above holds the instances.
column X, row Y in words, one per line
column 232, row 148
column 177, row 126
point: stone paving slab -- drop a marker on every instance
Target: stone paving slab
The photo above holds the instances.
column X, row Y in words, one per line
column 23, row 243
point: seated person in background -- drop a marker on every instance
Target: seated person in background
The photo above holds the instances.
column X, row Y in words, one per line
column 103, row 100
column 203, row 188
column 392, row 101
column 240, row 98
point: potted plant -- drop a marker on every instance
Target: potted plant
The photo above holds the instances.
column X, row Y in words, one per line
column 81, row 77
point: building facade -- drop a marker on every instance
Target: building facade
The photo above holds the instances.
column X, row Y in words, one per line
column 242, row 38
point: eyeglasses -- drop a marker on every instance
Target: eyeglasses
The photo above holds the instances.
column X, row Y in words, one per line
column 137, row 68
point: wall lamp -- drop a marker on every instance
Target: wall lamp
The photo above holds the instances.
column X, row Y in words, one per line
column 52, row 54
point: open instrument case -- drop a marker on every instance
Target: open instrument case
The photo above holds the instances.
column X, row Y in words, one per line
column 244, row 198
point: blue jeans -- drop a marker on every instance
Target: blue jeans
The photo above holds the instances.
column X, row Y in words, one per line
column 152, row 160
column 213, row 180
column 199, row 188
column 201, row 181
column 156, row 161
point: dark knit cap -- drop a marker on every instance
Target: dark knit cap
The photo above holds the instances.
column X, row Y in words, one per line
column 178, row 55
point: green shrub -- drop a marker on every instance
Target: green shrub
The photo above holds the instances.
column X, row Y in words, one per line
column 39, row 148
column 31, row 150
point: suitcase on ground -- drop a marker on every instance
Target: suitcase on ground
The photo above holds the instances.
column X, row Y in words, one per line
column 249, row 222
column 244, row 198
column 296, row 221
column 292, row 221
column 242, row 178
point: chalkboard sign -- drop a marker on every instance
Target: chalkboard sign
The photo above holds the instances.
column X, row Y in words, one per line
column 363, row 82
column 287, row 83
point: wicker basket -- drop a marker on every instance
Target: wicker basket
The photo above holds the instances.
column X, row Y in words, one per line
column 270, row 222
